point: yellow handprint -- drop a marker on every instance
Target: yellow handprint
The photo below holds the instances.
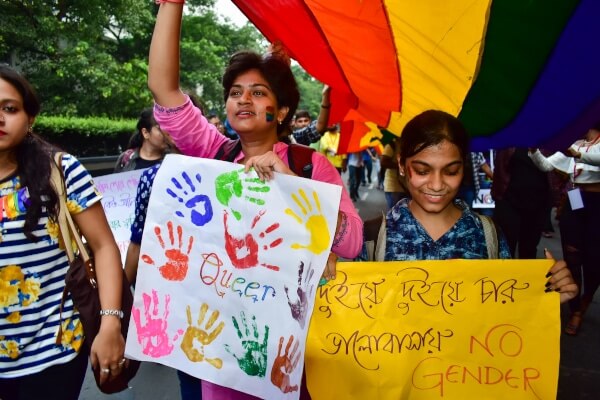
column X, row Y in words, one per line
column 196, row 333
column 313, row 220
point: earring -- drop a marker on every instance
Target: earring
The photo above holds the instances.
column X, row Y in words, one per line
column 279, row 121
column 30, row 130
column 401, row 172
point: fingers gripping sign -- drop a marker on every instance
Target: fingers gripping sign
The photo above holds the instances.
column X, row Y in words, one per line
column 202, row 335
column 313, row 220
column 254, row 359
column 284, row 365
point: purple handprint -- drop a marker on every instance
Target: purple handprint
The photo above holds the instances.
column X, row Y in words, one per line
column 299, row 308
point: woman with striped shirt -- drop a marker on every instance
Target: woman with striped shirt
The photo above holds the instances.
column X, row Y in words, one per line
column 34, row 362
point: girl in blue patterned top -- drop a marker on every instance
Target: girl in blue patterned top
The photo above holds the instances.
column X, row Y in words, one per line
column 433, row 224
column 34, row 362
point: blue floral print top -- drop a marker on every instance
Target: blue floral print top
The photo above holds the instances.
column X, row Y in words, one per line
column 408, row 240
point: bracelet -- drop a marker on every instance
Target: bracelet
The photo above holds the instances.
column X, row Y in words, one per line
column 114, row 313
column 169, row 1
column 325, row 107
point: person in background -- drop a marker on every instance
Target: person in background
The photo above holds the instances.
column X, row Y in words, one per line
column 306, row 131
column 393, row 185
column 433, row 223
column 330, row 143
column 579, row 221
column 216, row 121
column 261, row 96
column 355, row 171
column 471, row 184
column 147, row 146
column 35, row 362
column 521, row 193
column 367, row 155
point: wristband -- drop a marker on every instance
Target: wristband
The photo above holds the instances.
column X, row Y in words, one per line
column 114, row 313
column 325, row 107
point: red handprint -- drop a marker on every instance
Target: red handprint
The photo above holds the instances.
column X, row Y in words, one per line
column 176, row 267
column 284, row 364
column 243, row 251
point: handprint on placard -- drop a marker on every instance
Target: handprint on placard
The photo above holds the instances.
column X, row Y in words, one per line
column 314, row 222
column 231, row 185
column 153, row 334
column 244, row 251
column 299, row 308
column 284, row 365
column 254, row 360
column 197, row 333
column 176, row 267
column 199, row 205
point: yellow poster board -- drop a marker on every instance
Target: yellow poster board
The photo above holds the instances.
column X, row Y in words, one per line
column 454, row 329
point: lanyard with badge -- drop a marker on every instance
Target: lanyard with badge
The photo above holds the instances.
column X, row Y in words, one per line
column 575, row 193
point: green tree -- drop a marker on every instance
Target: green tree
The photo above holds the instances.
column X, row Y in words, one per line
column 310, row 91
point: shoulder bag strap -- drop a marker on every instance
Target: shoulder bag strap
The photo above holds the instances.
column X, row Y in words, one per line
column 491, row 236
column 67, row 227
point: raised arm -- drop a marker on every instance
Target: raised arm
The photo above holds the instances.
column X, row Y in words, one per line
column 163, row 61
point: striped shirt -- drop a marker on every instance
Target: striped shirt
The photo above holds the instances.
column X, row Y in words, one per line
column 32, row 277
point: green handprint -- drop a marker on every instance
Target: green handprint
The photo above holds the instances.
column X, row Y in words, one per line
column 315, row 222
column 231, row 184
column 254, row 360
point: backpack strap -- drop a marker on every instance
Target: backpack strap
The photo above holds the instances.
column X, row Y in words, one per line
column 229, row 150
column 300, row 159
column 491, row 236
column 375, row 238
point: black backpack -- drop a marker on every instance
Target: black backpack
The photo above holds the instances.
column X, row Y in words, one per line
column 299, row 156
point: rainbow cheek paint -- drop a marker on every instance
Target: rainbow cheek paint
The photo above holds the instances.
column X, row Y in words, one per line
column 270, row 114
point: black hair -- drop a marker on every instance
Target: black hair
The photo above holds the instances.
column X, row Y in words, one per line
column 302, row 114
column 276, row 72
column 596, row 126
column 34, row 157
column 147, row 121
column 430, row 128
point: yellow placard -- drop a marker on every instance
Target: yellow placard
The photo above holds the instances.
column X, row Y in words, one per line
column 453, row 329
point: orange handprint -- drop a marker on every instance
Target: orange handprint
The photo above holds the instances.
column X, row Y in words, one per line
column 176, row 267
column 284, row 364
column 315, row 222
column 201, row 335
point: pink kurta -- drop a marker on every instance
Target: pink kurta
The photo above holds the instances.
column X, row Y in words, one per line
column 195, row 136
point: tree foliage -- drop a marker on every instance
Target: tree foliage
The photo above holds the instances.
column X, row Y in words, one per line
column 89, row 58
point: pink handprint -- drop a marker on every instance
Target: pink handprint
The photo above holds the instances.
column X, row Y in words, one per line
column 243, row 251
column 153, row 335
column 176, row 267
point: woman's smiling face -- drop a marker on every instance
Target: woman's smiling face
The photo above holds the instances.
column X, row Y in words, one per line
column 14, row 121
column 251, row 104
column 433, row 177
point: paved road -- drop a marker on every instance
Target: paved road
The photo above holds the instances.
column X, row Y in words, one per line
column 580, row 356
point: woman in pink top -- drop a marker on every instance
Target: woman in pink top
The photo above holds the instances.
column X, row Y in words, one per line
column 261, row 97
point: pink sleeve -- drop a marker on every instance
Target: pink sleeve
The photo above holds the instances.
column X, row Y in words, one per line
column 190, row 130
column 348, row 241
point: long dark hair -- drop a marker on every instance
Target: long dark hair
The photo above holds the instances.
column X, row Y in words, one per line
column 34, row 156
column 275, row 70
column 147, row 121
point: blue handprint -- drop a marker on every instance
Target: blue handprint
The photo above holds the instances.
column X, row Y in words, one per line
column 192, row 201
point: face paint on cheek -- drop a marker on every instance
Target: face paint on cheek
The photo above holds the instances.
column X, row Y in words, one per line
column 270, row 114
